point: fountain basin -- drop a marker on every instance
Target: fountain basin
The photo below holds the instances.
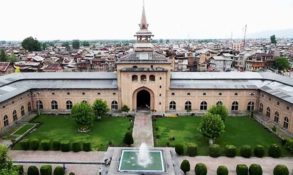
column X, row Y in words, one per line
column 129, row 162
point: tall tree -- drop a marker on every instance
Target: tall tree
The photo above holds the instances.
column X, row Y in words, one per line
column 85, row 43
column 66, row 45
column 3, row 55
column 75, row 44
column 212, row 126
column 221, row 110
column 282, row 63
column 83, row 115
column 6, row 167
column 273, row 39
column 31, row 44
column 100, row 108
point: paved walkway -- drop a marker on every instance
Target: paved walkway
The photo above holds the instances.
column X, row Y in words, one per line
column 143, row 130
column 57, row 156
column 267, row 163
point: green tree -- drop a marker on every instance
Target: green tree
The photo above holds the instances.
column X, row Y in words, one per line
column 273, row 39
column 66, row 45
column 128, row 139
column 85, row 43
column 185, row 166
column 100, row 108
column 212, row 126
column 83, row 115
column 282, row 63
column 6, row 167
column 31, row 44
column 75, row 44
column 2, row 55
column 221, row 110
column 11, row 58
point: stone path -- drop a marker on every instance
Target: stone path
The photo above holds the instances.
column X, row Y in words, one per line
column 57, row 156
column 143, row 130
column 267, row 163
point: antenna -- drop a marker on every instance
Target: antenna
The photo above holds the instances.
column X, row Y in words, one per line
column 244, row 40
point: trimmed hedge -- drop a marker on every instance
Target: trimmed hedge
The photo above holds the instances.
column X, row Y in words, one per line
column 33, row 170
column 255, row 169
column 179, row 149
column 46, row 170
column 192, row 151
column 56, row 145
column 59, row 170
column 246, row 151
column 281, row 170
column 241, row 169
column 289, row 145
column 34, row 144
column 230, row 150
column 222, row 170
column 19, row 169
column 65, row 146
column 87, row 146
column 259, row 151
column 76, row 146
column 214, row 150
column 274, row 151
column 24, row 144
column 185, row 166
column 45, row 145
column 200, row 169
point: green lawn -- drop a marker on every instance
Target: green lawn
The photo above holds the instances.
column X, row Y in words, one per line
column 107, row 129
column 21, row 130
column 239, row 131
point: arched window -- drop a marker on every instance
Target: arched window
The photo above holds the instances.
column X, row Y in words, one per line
column 54, row 105
column 172, row 106
column 114, row 105
column 134, row 78
column 188, row 106
column 250, row 106
column 219, row 103
column 276, row 118
column 203, row 106
column 68, row 105
column 40, row 105
column 29, row 107
column 22, row 111
column 268, row 114
column 234, row 106
column 143, row 78
column 286, row 123
column 5, row 120
column 260, row 107
column 14, row 115
column 152, row 78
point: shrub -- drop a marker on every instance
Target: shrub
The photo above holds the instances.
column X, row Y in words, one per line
column 34, row 144
column 230, row 150
column 185, row 166
column 87, row 146
column 56, row 145
column 19, row 169
column 71, row 173
column 33, row 170
column 241, row 169
column 246, row 151
column 179, row 149
column 46, row 170
column 214, row 150
column 200, row 169
column 259, row 151
column 24, row 144
column 59, row 170
column 255, row 169
column 274, row 151
column 289, row 145
column 281, row 170
column 128, row 139
column 222, row 170
column 76, row 146
column 192, row 150
column 45, row 145
column 125, row 108
column 65, row 146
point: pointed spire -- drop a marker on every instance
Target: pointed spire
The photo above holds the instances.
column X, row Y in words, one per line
column 143, row 23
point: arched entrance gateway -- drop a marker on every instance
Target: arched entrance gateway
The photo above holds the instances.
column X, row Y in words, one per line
column 143, row 99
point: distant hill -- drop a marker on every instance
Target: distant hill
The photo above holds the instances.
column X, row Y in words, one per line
column 286, row 33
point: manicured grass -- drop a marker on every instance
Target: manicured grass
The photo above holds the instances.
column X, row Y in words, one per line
column 107, row 129
column 22, row 129
column 239, row 131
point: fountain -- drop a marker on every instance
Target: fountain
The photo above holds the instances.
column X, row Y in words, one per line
column 143, row 157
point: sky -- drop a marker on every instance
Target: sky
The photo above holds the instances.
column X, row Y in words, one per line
column 118, row 19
